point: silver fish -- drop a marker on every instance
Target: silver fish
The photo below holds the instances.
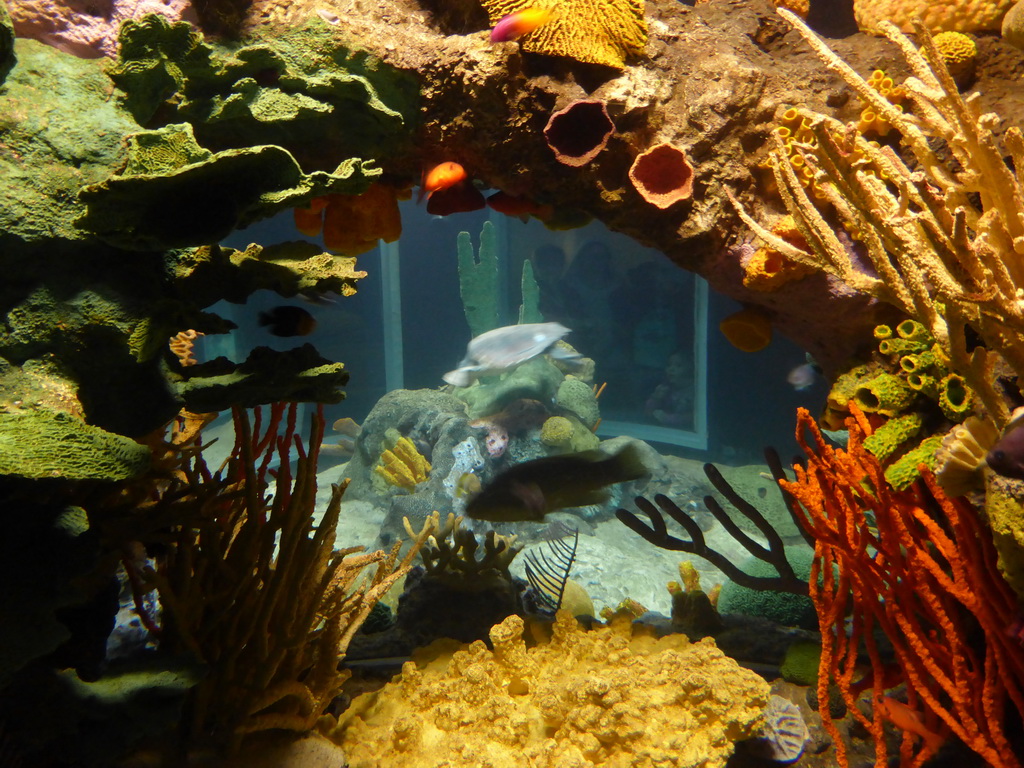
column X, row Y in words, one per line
column 505, row 348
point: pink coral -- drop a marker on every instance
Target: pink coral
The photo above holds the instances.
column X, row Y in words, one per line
column 88, row 28
column 497, row 437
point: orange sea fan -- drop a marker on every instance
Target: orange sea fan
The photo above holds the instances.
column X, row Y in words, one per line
column 923, row 571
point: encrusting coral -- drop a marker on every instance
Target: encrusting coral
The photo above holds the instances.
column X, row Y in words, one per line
column 943, row 244
column 610, row 696
column 450, row 553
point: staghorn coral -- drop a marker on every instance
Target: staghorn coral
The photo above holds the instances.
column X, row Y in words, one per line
column 950, row 15
column 606, row 697
column 402, row 465
column 942, row 243
column 592, row 31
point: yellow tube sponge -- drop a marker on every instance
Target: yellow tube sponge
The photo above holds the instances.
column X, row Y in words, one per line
column 403, row 465
column 606, row 697
column 951, row 15
column 592, row 31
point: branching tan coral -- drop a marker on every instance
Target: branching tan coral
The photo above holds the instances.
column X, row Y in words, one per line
column 939, row 256
column 611, row 696
column 451, row 553
column 261, row 597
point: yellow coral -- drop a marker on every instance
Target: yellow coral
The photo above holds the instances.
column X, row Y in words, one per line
column 767, row 269
column 556, row 432
column 959, row 52
column 800, row 7
column 612, row 696
column 403, row 465
column 870, row 121
column 951, row 15
column 593, row 31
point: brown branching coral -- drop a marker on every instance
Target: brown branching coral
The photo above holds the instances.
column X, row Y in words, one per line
column 450, row 553
column 259, row 595
column 656, row 532
column 944, row 238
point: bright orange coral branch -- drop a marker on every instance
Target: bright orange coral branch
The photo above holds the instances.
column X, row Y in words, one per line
column 922, row 569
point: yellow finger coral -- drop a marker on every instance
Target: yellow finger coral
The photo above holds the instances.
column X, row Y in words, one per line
column 403, row 465
column 606, row 697
column 951, row 15
column 592, row 31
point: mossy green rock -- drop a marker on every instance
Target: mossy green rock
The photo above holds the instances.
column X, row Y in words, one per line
column 304, row 91
column 61, row 131
column 577, row 397
column 7, row 57
column 782, row 607
column 173, row 193
column 40, row 444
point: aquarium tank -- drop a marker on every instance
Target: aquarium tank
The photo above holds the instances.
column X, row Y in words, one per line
column 511, row 383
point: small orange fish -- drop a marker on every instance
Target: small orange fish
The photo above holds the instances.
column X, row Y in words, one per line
column 909, row 720
column 520, row 23
column 441, row 177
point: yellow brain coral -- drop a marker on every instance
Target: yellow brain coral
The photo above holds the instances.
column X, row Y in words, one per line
column 604, row 697
column 593, row 31
column 947, row 15
column 958, row 52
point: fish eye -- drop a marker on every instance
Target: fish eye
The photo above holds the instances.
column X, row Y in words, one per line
column 998, row 455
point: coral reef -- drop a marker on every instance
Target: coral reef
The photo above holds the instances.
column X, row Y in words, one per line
column 478, row 280
column 291, row 610
column 960, row 244
column 592, row 31
column 603, row 697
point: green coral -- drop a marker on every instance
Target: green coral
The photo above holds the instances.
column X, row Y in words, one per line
column 478, row 280
column 567, row 433
column 904, row 471
column 956, row 399
column 529, row 310
column 173, row 193
column 782, row 607
column 300, row 91
column 577, row 397
column 801, row 662
column 7, row 57
column 43, row 444
column 912, row 330
column 888, row 438
column 886, row 394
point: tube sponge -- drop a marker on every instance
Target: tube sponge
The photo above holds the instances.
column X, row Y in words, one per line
column 956, row 399
column 885, row 394
column 885, row 440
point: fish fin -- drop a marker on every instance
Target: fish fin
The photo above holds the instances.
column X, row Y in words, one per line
column 458, row 378
column 264, row 319
column 627, row 465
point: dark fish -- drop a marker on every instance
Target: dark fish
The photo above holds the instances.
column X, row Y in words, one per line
column 532, row 489
column 1006, row 457
column 288, row 321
